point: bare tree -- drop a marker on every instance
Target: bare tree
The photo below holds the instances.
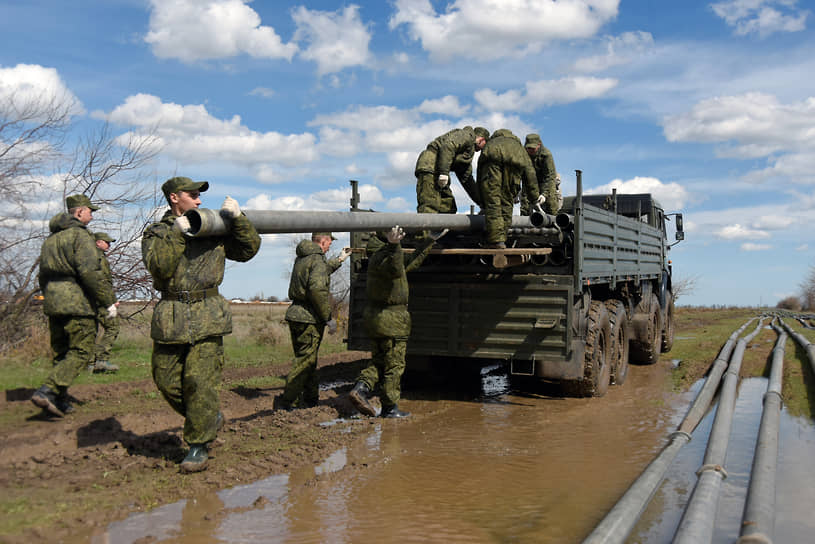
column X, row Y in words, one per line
column 684, row 286
column 789, row 303
column 808, row 291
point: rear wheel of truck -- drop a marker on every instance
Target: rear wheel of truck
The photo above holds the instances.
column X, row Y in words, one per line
column 597, row 356
column 668, row 333
column 647, row 341
column 620, row 336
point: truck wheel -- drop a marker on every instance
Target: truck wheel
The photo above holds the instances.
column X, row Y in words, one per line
column 620, row 335
column 668, row 333
column 647, row 340
column 597, row 358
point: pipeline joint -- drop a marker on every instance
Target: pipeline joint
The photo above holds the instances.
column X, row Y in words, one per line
column 714, row 467
column 680, row 434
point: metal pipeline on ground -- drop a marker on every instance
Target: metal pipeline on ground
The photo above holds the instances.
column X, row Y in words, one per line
column 621, row 519
column 758, row 519
column 696, row 525
column 803, row 342
column 207, row 222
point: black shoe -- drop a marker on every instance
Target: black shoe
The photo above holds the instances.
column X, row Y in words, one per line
column 280, row 404
column 196, row 459
column 309, row 403
column 64, row 405
column 359, row 398
column 393, row 412
column 46, row 399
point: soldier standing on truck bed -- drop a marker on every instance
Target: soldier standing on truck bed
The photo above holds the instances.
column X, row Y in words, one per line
column 503, row 168
column 452, row 151
column 73, row 287
column 387, row 319
column 191, row 319
column 110, row 325
column 546, row 176
column 307, row 316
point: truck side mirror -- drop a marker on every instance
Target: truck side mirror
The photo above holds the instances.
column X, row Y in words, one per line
column 680, row 232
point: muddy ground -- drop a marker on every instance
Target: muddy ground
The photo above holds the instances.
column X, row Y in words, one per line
column 119, row 451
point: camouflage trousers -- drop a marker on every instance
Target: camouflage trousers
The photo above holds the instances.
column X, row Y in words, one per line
column 110, row 331
column 498, row 190
column 302, row 379
column 72, row 339
column 387, row 365
column 431, row 199
column 189, row 378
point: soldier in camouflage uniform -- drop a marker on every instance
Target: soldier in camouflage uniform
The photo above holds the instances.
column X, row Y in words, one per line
column 109, row 326
column 191, row 319
column 503, row 168
column 387, row 319
column 547, row 178
column 307, row 316
column 74, row 287
column 452, row 151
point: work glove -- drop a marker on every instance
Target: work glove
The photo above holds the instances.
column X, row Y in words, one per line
column 539, row 202
column 396, row 234
column 438, row 234
column 230, row 208
column 183, row 224
column 112, row 311
column 443, row 181
column 345, row 253
column 331, row 324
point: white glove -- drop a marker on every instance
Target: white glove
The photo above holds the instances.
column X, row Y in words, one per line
column 183, row 224
column 112, row 311
column 436, row 235
column 230, row 208
column 345, row 253
column 396, row 234
column 443, row 181
column 539, row 202
column 332, row 326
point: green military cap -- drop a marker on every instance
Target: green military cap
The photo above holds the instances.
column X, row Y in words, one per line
column 180, row 183
column 481, row 132
column 533, row 140
column 321, row 234
column 104, row 236
column 80, row 201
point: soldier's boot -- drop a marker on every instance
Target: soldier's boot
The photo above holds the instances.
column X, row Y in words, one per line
column 359, row 398
column 280, row 403
column 393, row 412
column 46, row 398
column 196, row 459
column 104, row 366
column 63, row 401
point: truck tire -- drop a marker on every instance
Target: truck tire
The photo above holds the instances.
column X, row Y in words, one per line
column 669, row 330
column 620, row 337
column 647, row 339
column 596, row 359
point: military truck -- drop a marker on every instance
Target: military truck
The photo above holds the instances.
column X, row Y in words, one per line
column 572, row 299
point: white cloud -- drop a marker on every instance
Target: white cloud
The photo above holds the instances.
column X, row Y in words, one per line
column 537, row 94
column 485, row 29
column 328, row 200
column 263, row 92
column 36, row 89
column 190, row 30
column 762, row 17
column 619, row 50
column 802, row 247
column 749, row 246
column 337, row 40
column 446, row 105
column 773, row 222
column 739, row 232
column 399, row 204
column 672, row 196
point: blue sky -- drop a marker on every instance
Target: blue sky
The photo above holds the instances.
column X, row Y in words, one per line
column 709, row 105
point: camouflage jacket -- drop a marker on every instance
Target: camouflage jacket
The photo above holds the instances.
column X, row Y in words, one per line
column 187, row 272
column 71, row 279
column 546, row 175
column 452, row 151
column 386, row 313
column 309, row 286
column 506, row 149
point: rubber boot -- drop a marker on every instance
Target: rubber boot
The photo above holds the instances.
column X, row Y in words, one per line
column 359, row 398
column 46, row 398
column 104, row 366
column 196, row 459
column 63, row 401
column 393, row 412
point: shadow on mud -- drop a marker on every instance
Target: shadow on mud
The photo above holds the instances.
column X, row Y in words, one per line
column 164, row 444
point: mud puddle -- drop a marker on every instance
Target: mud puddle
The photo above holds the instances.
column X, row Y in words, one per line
column 494, row 466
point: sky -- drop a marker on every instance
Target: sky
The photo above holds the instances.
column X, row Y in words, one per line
column 708, row 105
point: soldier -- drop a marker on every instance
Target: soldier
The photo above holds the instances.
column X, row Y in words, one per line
column 547, row 177
column 74, row 287
column 387, row 319
column 502, row 164
column 452, row 151
column 308, row 315
column 191, row 319
column 110, row 326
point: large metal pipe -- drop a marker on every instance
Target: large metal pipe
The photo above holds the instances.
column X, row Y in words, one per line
column 696, row 525
column 759, row 509
column 621, row 519
column 802, row 340
column 206, row 222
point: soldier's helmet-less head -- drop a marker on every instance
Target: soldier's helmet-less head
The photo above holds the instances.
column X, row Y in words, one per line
column 532, row 141
column 481, row 132
column 181, row 183
column 79, row 201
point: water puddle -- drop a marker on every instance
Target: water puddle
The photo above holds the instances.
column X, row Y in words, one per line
column 497, row 466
